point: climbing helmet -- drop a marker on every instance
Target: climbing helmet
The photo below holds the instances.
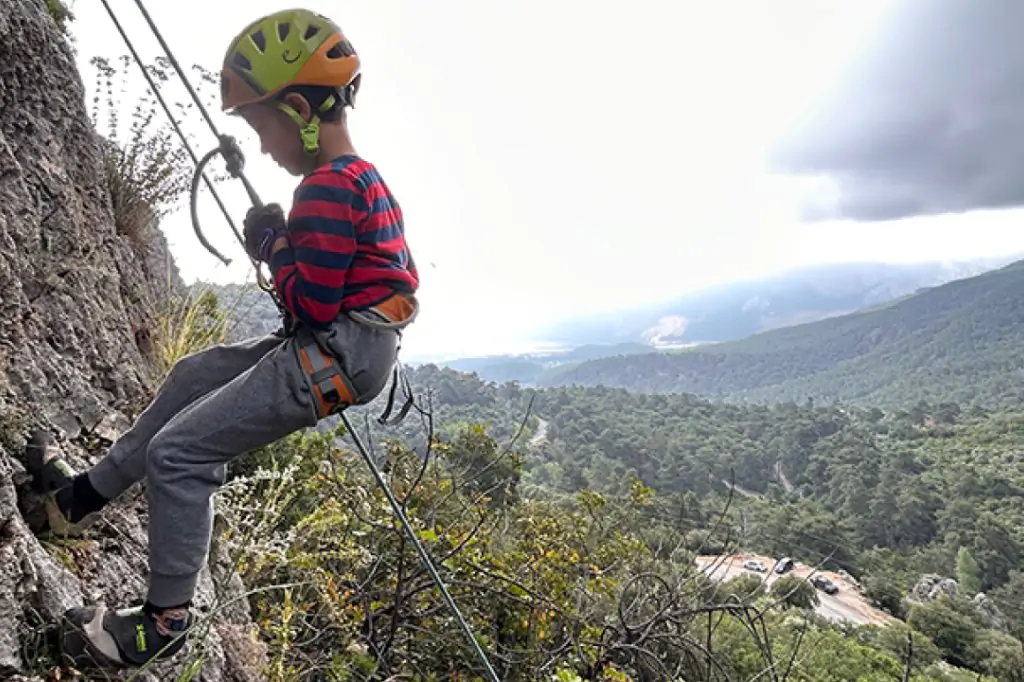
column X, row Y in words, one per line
column 291, row 47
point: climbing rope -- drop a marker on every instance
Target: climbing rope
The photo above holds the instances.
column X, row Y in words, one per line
column 235, row 160
column 228, row 148
column 424, row 557
column 177, row 129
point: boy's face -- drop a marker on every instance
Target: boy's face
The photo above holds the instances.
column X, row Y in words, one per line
column 279, row 136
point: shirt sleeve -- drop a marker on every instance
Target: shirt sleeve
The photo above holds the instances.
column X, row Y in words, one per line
column 310, row 273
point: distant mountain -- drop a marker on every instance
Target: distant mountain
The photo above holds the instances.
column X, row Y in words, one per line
column 962, row 341
column 737, row 310
column 530, row 369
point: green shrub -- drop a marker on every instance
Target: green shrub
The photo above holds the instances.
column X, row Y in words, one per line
column 61, row 14
column 148, row 170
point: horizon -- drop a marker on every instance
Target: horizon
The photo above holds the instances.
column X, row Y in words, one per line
column 464, row 162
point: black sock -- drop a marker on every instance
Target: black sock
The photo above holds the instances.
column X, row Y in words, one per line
column 79, row 499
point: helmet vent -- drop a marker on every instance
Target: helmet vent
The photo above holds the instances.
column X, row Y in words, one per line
column 241, row 61
column 283, row 29
column 341, row 49
column 310, row 32
column 260, row 40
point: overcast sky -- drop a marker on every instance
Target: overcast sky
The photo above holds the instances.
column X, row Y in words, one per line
column 555, row 156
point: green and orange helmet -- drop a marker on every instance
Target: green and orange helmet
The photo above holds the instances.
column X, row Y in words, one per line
column 287, row 48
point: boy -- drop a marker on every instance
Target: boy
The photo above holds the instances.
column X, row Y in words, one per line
column 342, row 270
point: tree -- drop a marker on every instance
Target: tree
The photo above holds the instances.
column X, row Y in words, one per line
column 1002, row 655
column 885, row 594
column 968, row 572
column 743, row 588
column 795, row 592
column 1010, row 600
column 949, row 627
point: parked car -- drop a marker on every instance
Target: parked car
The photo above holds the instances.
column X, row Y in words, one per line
column 784, row 565
column 824, row 584
column 754, row 565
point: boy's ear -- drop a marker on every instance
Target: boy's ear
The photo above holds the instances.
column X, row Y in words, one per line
column 300, row 105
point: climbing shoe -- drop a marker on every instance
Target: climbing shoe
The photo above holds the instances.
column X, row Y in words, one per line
column 71, row 502
column 95, row 637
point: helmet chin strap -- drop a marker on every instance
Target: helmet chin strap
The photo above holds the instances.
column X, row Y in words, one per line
column 309, row 132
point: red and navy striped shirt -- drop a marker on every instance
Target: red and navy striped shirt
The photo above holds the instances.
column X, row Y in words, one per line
column 347, row 247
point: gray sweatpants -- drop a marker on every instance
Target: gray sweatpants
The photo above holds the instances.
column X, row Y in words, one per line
column 213, row 406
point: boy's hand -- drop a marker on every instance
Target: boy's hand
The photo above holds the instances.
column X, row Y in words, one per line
column 262, row 227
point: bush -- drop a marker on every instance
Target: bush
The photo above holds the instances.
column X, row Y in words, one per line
column 885, row 593
column 147, row 168
column 792, row 591
column 949, row 624
column 147, row 172
column 60, row 14
column 187, row 326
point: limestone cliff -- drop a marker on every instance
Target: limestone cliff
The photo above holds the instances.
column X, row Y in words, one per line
column 77, row 301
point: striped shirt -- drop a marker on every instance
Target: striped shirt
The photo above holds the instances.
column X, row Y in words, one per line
column 347, row 247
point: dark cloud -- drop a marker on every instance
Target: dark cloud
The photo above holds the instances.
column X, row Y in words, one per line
column 928, row 119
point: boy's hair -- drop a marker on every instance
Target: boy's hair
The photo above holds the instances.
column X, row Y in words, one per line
column 316, row 95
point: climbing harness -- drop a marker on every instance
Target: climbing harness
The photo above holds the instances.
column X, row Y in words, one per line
column 332, row 390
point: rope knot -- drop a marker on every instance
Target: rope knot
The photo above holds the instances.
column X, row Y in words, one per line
column 232, row 153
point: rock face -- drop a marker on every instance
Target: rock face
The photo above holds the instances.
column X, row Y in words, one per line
column 76, row 304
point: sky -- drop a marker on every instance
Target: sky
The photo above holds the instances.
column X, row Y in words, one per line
column 560, row 157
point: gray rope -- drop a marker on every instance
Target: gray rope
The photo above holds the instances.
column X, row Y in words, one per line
column 427, row 563
column 249, row 189
column 174, row 123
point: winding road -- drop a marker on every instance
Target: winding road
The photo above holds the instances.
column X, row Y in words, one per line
column 780, row 475
column 538, row 438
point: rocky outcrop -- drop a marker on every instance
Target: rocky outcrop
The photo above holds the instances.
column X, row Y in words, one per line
column 76, row 304
column 988, row 612
column 930, row 587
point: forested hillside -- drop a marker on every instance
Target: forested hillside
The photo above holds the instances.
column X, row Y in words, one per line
column 902, row 499
column 888, row 496
column 960, row 341
column 864, row 478
column 928, row 481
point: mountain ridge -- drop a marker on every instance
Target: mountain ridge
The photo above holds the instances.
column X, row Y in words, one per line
column 748, row 306
column 918, row 346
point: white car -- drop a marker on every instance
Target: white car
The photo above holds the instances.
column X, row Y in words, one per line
column 752, row 565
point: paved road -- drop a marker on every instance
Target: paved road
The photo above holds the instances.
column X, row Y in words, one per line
column 846, row 605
